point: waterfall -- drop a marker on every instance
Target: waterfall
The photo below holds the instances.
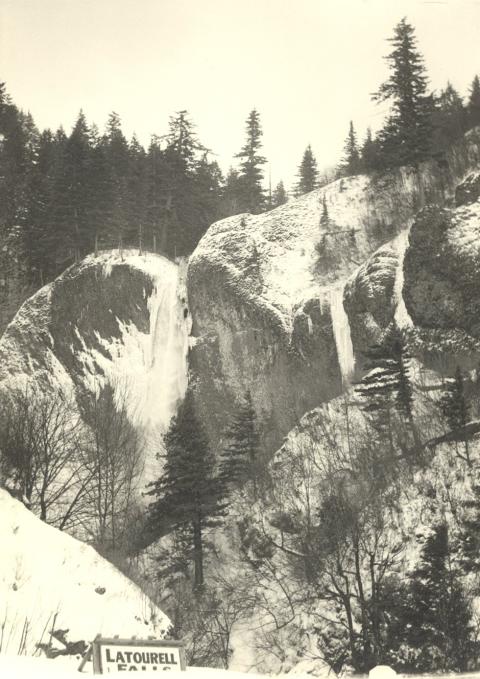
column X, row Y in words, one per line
column 402, row 317
column 149, row 369
column 341, row 333
column 167, row 371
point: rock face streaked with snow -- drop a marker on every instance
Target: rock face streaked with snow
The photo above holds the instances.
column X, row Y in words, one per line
column 122, row 318
column 50, row 581
column 427, row 281
column 261, row 294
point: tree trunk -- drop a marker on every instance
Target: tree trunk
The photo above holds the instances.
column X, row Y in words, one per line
column 198, row 554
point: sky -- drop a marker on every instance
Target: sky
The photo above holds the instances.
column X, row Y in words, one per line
column 308, row 66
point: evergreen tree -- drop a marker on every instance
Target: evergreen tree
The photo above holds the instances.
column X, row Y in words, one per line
column 386, row 388
column 406, row 136
column 473, row 106
column 307, row 173
column 449, row 118
column 188, row 495
column 455, row 407
column 41, row 238
column 136, row 193
column 252, row 196
column 369, row 155
column 280, row 196
column 230, row 195
column 240, row 460
column 74, row 194
column 350, row 164
column 117, row 163
column 470, row 532
column 438, row 616
column 324, row 217
column 184, row 162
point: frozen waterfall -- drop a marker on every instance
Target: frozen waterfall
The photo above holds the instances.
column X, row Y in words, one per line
column 169, row 331
column 341, row 331
column 399, row 245
column 149, row 369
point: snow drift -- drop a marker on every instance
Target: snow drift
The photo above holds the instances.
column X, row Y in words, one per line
column 53, row 586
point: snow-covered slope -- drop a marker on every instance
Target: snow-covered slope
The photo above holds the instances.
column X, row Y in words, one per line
column 117, row 317
column 51, row 582
column 266, row 290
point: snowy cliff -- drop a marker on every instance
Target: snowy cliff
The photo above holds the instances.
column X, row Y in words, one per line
column 266, row 291
column 427, row 281
column 117, row 317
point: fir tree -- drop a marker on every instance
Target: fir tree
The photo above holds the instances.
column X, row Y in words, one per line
column 230, row 194
column 307, row 173
column 369, row 155
column 350, row 164
column 74, row 192
column 188, row 495
column 455, row 407
column 324, row 217
column 252, row 197
column 280, row 196
column 240, row 460
column 473, row 106
column 470, row 532
column 438, row 615
column 406, row 136
column 386, row 388
column 449, row 118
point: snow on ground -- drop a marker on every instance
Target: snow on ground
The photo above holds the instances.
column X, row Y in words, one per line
column 39, row 668
column 50, row 580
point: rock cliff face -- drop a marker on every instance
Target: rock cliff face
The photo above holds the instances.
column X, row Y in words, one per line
column 121, row 318
column 266, row 291
column 426, row 281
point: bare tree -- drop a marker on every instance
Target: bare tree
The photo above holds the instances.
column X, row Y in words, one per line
column 40, row 438
column 113, row 457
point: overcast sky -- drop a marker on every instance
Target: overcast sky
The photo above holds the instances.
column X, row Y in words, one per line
column 308, row 66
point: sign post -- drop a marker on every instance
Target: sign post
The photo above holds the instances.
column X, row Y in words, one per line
column 125, row 655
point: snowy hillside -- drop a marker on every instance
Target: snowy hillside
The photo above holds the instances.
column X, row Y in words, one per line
column 117, row 317
column 51, row 582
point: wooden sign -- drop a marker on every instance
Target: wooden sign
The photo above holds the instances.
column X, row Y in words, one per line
column 137, row 655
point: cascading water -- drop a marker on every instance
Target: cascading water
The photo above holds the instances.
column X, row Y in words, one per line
column 399, row 245
column 341, row 331
column 168, row 370
column 150, row 370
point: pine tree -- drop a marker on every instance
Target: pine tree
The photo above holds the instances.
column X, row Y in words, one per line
column 252, row 196
column 307, row 173
column 188, row 495
column 438, row 617
column 240, row 460
column 185, row 166
column 455, row 407
column 470, row 532
column 350, row 164
column 386, row 388
column 406, row 136
column 280, row 196
column 324, row 217
column 449, row 118
column 74, row 193
column 369, row 155
column 473, row 106
column 40, row 233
